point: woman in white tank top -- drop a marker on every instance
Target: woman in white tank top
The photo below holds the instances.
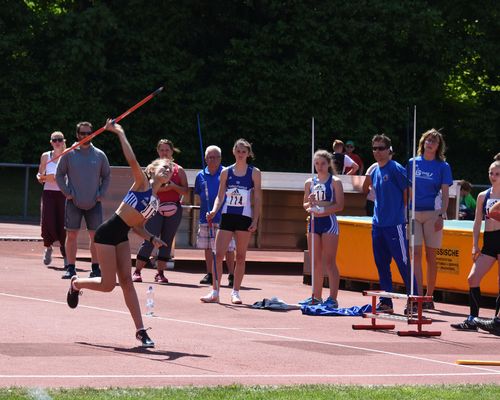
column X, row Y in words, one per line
column 53, row 201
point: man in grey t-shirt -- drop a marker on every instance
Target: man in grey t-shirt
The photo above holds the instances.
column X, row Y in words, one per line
column 83, row 176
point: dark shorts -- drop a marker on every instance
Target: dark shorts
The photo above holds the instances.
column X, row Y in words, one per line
column 74, row 215
column 114, row 231
column 491, row 243
column 235, row 222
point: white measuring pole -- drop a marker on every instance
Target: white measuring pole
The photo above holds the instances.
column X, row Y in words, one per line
column 412, row 218
column 312, row 214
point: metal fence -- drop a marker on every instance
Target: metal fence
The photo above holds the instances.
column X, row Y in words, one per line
column 15, row 182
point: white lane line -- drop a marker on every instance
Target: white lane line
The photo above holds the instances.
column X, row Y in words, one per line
column 271, row 329
column 276, row 336
column 215, row 376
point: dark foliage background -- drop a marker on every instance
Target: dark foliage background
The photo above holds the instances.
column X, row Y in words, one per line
column 256, row 69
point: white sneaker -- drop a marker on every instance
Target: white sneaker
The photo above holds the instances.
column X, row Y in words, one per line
column 47, row 255
column 235, row 298
column 212, row 297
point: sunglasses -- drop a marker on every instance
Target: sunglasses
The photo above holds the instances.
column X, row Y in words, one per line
column 379, row 148
column 57, row 140
column 85, row 133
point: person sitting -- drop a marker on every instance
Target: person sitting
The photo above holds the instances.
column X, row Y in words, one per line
column 467, row 202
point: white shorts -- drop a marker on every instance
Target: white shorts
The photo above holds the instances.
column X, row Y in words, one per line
column 203, row 237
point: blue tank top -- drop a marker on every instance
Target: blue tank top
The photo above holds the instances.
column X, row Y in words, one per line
column 144, row 202
column 238, row 193
column 323, row 191
column 488, row 203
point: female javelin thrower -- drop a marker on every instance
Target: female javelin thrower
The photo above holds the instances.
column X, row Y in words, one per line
column 324, row 199
column 484, row 259
column 111, row 238
column 237, row 182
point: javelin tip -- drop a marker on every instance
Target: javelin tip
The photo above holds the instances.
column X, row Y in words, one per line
column 160, row 89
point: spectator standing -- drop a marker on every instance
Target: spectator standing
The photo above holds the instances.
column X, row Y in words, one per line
column 341, row 161
column 484, row 258
column 53, row 200
column 432, row 183
column 240, row 217
column 83, row 175
column 166, row 221
column 368, row 188
column 349, row 147
column 389, row 240
column 323, row 197
column 208, row 180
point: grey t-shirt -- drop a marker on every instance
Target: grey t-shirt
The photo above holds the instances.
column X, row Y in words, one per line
column 88, row 175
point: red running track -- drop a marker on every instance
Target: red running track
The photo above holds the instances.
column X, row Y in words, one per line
column 43, row 343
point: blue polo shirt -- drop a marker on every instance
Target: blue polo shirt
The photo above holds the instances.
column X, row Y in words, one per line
column 213, row 188
column 430, row 175
column 389, row 183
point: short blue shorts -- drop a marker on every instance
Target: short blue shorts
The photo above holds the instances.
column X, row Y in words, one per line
column 328, row 225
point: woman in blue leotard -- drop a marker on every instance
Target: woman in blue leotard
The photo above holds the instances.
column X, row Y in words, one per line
column 323, row 197
column 240, row 215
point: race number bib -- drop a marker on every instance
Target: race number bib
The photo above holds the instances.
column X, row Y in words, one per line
column 489, row 204
column 319, row 190
column 236, row 197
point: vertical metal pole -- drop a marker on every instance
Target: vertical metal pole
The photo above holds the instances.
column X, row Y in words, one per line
column 26, row 186
column 413, row 186
column 312, row 214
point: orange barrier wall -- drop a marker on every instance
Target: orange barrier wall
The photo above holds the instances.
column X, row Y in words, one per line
column 355, row 256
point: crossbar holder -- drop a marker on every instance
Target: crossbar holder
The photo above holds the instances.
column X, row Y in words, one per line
column 410, row 318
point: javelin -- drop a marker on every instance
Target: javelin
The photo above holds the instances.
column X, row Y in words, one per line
column 117, row 119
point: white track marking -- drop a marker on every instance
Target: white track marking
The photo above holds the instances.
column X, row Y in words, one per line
column 291, row 338
column 215, row 376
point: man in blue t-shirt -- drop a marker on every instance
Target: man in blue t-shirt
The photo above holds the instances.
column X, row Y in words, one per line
column 389, row 240
column 207, row 181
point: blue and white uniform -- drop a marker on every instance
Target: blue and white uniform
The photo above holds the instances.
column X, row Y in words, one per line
column 115, row 231
column 212, row 181
column 324, row 192
column 389, row 228
column 144, row 202
column 238, row 193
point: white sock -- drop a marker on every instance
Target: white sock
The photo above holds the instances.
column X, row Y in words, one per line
column 215, row 292
column 237, row 292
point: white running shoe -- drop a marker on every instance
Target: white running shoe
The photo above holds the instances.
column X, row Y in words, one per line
column 212, row 297
column 47, row 255
column 235, row 298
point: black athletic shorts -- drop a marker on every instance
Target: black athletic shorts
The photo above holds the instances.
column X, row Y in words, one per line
column 491, row 243
column 114, row 231
column 235, row 222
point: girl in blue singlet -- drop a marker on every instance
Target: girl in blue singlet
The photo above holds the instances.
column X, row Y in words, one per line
column 323, row 197
column 238, row 183
column 111, row 238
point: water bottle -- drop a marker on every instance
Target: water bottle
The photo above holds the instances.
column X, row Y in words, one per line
column 150, row 301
